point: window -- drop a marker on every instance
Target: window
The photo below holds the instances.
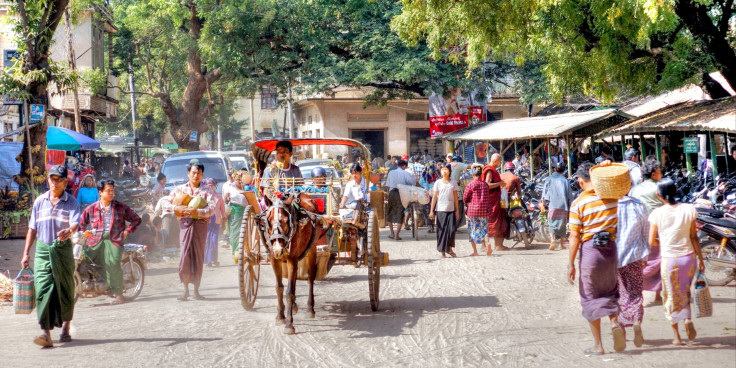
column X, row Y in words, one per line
column 268, row 98
column 309, row 119
column 318, row 135
column 498, row 115
column 416, row 116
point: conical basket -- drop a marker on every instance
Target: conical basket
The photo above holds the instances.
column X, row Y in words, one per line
column 610, row 182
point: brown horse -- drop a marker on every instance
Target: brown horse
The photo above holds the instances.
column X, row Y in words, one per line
column 290, row 234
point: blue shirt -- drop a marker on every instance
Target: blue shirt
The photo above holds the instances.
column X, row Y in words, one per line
column 632, row 237
column 48, row 220
column 557, row 193
column 88, row 195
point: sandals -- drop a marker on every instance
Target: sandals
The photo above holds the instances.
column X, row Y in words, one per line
column 452, row 254
column 619, row 338
column 65, row 337
column 43, row 341
column 638, row 337
column 591, row 352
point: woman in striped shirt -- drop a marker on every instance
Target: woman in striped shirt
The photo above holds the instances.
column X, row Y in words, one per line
column 592, row 227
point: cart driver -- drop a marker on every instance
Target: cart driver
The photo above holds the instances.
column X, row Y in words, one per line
column 284, row 168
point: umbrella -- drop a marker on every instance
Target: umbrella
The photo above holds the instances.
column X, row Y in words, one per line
column 69, row 140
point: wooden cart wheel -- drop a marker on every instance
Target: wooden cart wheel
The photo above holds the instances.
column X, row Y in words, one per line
column 249, row 259
column 375, row 260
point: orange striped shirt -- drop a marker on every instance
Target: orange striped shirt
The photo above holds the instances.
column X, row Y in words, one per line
column 590, row 215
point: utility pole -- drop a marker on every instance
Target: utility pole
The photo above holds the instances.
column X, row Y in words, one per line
column 290, row 119
column 73, row 65
column 131, row 81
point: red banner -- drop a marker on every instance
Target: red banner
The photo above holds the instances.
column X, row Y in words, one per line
column 439, row 125
column 476, row 114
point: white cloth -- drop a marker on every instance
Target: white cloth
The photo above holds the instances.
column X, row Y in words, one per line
column 355, row 192
column 445, row 193
column 673, row 227
column 634, row 172
column 237, row 196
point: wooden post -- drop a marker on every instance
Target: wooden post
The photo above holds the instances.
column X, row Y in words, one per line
column 26, row 119
column 623, row 146
column 657, row 148
column 728, row 171
column 500, row 150
column 642, row 145
column 688, row 162
column 549, row 157
column 515, row 148
column 569, row 160
column 475, row 152
column 713, row 156
column 530, row 159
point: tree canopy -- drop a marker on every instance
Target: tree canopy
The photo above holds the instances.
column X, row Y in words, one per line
column 595, row 47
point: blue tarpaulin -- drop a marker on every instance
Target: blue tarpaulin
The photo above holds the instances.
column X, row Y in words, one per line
column 69, row 140
column 8, row 165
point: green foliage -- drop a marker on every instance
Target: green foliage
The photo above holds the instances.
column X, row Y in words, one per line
column 595, row 47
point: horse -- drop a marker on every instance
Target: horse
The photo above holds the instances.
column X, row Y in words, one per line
column 290, row 234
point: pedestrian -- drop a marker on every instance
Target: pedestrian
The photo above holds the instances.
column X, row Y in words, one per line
column 161, row 233
column 427, row 182
column 445, row 205
column 144, row 233
column 477, row 196
column 158, row 190
column 673, row 230
column 395, row 213
column 193, row 227
column 556, row 199
column 235, row 197
column 631, row 159
column 458, row 169
column 632, row 248
column 392, row 162
column 54, row 218
column 448, row 158
column 592, row 226
column 427, row 157
column 213, row 228
column 497, row 225
column 646, row 192
column 513, row 183
column 112, row 222
column 87, row 194
column 377, row 162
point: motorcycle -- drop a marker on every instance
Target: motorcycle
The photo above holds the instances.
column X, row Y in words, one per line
column 717, row 235
column 539, row 221
column 136, row 197
column 89, row 278
column 521, row 228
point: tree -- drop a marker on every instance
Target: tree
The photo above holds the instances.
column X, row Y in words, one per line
column 596, row 47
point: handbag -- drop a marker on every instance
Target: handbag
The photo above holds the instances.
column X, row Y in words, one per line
column 701, row 297
column 24, row 293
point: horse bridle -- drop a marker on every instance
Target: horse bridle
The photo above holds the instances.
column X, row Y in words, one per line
column 278, row 234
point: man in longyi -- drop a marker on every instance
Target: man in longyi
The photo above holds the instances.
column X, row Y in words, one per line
column 194, row 219
column 54, row 218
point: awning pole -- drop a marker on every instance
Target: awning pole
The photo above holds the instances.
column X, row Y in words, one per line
column 515, row 148
column 623, row 146
column 713, row 157
column 688, row 162
column 657, row 148
column 728, row 172
column 475, row 152
column 569, row 159
column 530, row 158
column 549, row 157
column 500, row 150
column 642, row 146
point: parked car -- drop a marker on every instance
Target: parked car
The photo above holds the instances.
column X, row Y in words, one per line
column 306, row 166
column 216, row 165
column 239, row 159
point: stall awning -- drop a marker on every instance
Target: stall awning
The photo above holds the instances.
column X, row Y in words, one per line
column 715, row 115
column 552, row 126
column 69, row 140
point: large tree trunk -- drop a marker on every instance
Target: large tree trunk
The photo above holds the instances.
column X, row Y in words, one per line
column 696, row 18
column 190, row 116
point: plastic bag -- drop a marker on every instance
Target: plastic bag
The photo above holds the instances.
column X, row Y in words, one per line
column 504, row 198
column 701, row 297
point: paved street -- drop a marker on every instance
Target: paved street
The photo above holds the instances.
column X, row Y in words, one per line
column 512, row 309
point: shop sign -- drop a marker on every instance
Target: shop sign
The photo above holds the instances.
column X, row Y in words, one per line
column 691, row 145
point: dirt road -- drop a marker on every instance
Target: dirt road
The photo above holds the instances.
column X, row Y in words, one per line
column 512, row 309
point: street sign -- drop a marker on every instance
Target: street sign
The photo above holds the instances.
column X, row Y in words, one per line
column 193, row 137
column 38, row 112
column 11, row 101
column 170, row 146
column 691, row 145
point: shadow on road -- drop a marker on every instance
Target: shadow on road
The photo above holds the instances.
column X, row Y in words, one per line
column 172, row 341
column 708, row 342
column 359, row 278
column 396, row 316
column 409, row 261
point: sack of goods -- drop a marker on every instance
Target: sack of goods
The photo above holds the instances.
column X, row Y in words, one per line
column 610, row 182
column 410, row 194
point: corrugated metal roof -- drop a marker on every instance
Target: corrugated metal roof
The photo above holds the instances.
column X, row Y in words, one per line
column 552, row 126
column 715, row 115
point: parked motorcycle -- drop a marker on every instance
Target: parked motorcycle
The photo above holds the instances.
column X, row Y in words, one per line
column 520, row 224
column 89, row 278
column 717, row 235
column 131, row 193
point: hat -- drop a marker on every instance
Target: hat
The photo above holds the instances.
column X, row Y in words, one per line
column 58, row 170
column 449, row 154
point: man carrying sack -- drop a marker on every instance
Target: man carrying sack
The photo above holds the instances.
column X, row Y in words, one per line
column 108, row 218
column 54, row 218
column 193, row 203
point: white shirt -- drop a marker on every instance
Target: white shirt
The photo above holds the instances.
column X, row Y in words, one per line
column 354, row 192
column 673, row 227
column 237, row 196
column 445, row 193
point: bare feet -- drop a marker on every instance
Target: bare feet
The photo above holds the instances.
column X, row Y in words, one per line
column 502, row 248
column 474, row 254
column 452, row 254
column 184, row 297
column 443, row 255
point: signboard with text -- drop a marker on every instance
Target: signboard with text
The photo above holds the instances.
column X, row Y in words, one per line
column 691, row 145
column 439, row 125
column 38, row 112
column 193, row 137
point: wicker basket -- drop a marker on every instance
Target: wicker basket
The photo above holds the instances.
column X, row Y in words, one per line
column 610, row 182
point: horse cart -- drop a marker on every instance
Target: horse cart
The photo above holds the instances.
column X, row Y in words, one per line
column 295, row 226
